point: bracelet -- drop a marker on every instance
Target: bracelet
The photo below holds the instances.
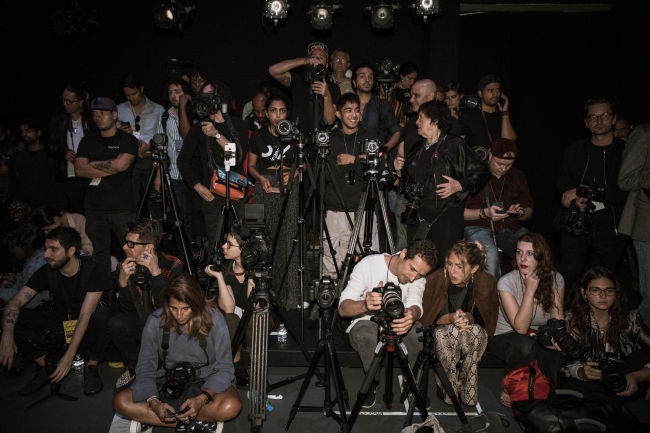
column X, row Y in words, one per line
column 153, row 397
column 481, row 214
column 505, row 113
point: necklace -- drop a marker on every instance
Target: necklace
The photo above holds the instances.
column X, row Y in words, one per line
column 353, row 142
column 236, row 274
column 428, row 145
column 500, row 192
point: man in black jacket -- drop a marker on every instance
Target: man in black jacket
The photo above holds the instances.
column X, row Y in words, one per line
column 594, row 162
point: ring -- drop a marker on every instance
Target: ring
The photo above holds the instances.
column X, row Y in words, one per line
column 189, row 418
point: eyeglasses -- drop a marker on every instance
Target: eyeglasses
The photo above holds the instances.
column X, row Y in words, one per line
column 132, row 244
column 594, row 118
column 340, row 60
column 610, row 291
column 137, row 123
column 69, row 101
column 228, row 244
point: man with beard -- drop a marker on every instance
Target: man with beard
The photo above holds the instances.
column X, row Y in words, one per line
column 32, row 175
column 595, row 162
column 106, row 157
column 491, row 119
column 257, row 117
column 76, row 285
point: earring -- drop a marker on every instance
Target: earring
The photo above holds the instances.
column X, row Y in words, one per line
column 472, row 278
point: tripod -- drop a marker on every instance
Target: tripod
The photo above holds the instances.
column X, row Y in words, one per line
column 325, row 347
column 50, row 367
column 389, row 342
column 161, row 160
column 427, row 357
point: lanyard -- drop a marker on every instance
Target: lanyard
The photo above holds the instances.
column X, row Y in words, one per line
column 61, row 282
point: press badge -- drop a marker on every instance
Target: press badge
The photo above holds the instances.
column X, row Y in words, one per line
column 136, row 134
column 68, row 328
column 95, row 181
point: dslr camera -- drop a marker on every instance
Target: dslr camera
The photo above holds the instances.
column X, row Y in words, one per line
column 323, row 292
column 556, row 329
column 391, row 301
column 414, row 192
column 320, row 139
column 288, row 131
column 373, row 151
column 387, row 73
column 204, row 105
column 612, row 370
column 177, row 378
column 315, row 73
column 257, row 249
column 159, row 145
column 581, row 221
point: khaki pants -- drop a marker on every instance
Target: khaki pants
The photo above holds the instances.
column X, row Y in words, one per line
column 340, row 234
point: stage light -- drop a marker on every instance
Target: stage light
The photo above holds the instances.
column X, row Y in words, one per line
column 275, row 9
column 382, row 13
column 70, row 21
column 426, row 8
column 173, row 14
column 322, row 12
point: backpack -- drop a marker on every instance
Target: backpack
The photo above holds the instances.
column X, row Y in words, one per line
column 526, row 383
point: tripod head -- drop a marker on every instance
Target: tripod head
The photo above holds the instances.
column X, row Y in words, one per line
column 52, row 342
column 159, row 147
column 427, row 338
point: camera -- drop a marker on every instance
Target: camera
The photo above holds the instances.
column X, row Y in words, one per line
column 469, row 101
column 141, row 275
column 321, row 139
column 591, row 193
column 315, row 73
column 387, row 73
column 47, row 339
column 323, row 292
column 414, row 192
column 257, row 250
column 176, row 378
column 204, row 256
column 612, row 370
column 577, row 221
column 391, row 300
column 373, row 151
column 18, row 364
column 288, row 131
column 159, row 144
column 175, row 67
column 386, row 178
column 204, row 105
column 556, row 329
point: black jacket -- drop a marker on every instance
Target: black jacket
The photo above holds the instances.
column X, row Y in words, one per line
column 57, row 147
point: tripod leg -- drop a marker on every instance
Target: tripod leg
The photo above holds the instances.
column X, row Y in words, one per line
column 408, row 374
column 339, row 387
column 384, row 212
column 259, row 364
column 145, row 196
column 182, row 234
column 365, row 386
column 442, row 374
column 241, row 328
column 421, row 372
column 305, row 383
column 388, row 392
column 353, row 238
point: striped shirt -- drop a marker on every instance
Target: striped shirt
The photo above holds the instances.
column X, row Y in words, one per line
column 174, row 144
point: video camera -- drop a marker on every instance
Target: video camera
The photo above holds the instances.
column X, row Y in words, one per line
column 469, row 101
column 316, row 73
column 387, row 73
column 391, row 300
column 323, row 292
column 556, row 329
column 257, row 250
column 175, row 67
column 204, row 105
column 581, row 221
column 414, row 192
column 159, row 145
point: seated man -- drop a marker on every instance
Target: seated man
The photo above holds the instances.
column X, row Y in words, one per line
column 406, row 269
column 76, row 284
column 199, row 341
column 142, row 262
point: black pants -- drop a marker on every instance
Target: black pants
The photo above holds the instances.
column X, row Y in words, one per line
column 125, row 331
column 211, row 213
column 99, row 226
column 447, row 229
column 519, row 350
column 92, row 346
column 75, row 193
column 197, row 220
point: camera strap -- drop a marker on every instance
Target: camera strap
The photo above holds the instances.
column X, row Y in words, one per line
column 164, row 345
column 487, row 128
column 487, row 202
column 163, row 121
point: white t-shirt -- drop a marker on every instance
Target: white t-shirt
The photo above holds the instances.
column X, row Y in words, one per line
column 74, row 137
column 368, row 273
column 511, row 283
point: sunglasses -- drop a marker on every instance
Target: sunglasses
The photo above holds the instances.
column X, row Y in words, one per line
column 137, row 126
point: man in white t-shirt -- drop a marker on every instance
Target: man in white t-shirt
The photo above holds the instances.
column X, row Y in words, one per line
column 406, row 269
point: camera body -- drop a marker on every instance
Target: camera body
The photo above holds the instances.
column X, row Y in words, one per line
column 387, row 73
column 577, row 221
column 321, row 139
column 556, row 329
column 373, row 150
column 176, row 67
column 591, row 193
column 204, row 105
column 159, row 145
column 391, row 302
column 257, row 250
column 612, row 370
column 288, row 131
column 177, row 377
column 141, row 275
column 414, row 192
column 323, row 292
column 316, row 73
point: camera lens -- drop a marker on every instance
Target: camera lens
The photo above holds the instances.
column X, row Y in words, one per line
column 393, row 304
column 172, row 388
column 283, row 127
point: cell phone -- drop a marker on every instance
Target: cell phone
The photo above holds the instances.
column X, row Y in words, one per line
column 231, row 147
column 499, row 205
column 502, row 101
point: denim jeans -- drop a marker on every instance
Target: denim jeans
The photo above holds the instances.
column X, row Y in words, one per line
column 401, row 236
column 643, row 257
column 98, row 228
column 506, row 241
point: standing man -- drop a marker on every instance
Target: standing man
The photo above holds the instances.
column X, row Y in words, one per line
column 496, row 225
column 594, row 162
column 265, row 88
column 257, row 117
column 482, row 125
column 143, row 117
column 635, row 221
column 323, row 108
column 106, row 157
column 340, row 65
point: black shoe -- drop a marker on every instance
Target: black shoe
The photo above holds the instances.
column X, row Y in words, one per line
column 243, row 379
column 371, row 397
column 92, row 382
column 38, row 382
column 427, row 401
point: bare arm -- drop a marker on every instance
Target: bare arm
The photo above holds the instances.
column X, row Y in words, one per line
column 9, row 319
column 394, row 141
column 280, row 71
column 94, row 169
column 372, row 303
column 507, row 131
column 519, row 316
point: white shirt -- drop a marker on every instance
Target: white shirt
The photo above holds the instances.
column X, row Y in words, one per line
column 74, row 136
column 368, row 273
column 174, row 143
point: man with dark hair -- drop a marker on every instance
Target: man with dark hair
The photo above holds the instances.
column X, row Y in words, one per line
column 265, row 88
column 198, row 78
column 140, row 117
column 346, row 161
column 33, row 174
column 492, row 215
column 622, row 128
column 482, row 125
column 106, row 157
column 76, row 285
column 340, row 61
column 202, row 153
column 322, row 109
column 594, row 162
column 405, row 269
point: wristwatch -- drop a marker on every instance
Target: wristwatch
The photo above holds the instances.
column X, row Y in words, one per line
column 217, row 136
column 208, row 397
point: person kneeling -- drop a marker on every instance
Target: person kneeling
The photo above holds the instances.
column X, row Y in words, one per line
column 200, row 343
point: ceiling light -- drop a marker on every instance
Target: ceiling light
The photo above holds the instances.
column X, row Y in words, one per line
column 173, row 14
column 275, row 9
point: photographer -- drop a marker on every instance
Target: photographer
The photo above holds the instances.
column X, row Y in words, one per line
column 400, row 94
column 616, row 365
column 347, row 167
column 301, row 88
column 196, row 360
column 407, row 269
column 211, row 135
column 482, row 125
column 594, row 162
column 76, row 285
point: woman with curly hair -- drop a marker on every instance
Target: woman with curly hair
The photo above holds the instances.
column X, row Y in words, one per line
column 601, row 322
column 462, row 301
column 529, row 295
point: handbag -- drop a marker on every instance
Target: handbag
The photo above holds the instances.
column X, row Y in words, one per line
column 236, row 182
column 526, row 383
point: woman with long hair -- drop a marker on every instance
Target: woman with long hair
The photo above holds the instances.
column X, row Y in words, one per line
column 400, row 94
column 189, row 332
column 453, row 98
column 530, row 295
column 601, row 322
column 48, row 218
column 462, row 300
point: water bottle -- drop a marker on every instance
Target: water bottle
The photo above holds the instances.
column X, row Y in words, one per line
column 78, row 363
column 282, row 334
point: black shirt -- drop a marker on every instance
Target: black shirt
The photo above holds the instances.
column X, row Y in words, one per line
column 300, row 93
column 33, row 178
column 68, row 295
column 473, row 128
column 114, row 193
column 239, row 290
column 268, row 149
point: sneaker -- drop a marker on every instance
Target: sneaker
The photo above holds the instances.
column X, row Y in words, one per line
column 92, row 382
column 126, row 379
column 428, row 403
column 204, row 427
column 243, row 379
column 38, row 382
column 371, row 397
column 137, row 427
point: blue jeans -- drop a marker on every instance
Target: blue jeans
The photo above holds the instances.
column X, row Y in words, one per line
column 506, row 241
column 643, row 256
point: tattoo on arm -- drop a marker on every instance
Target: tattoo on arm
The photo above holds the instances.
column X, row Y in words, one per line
column 11, row 316
column 27, row 296
column 285, row 80
column 103, row 166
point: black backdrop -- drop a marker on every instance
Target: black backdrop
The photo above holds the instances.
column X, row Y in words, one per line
column 550, row 63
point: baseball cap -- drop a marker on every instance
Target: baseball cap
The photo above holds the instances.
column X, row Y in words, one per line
column 504, row 148
column 103, row 104
column 317, row 46
column 488, row 79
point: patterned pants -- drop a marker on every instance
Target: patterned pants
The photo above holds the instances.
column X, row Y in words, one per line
column 459, row 353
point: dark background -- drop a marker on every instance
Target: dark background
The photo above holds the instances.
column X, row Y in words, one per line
column 550, row 62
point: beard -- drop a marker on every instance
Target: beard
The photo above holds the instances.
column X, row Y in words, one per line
column 58, row 265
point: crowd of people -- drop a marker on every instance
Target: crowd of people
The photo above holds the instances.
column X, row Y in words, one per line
column 82, row 235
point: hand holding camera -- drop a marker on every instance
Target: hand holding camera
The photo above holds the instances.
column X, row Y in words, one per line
column 591, row 371
column 208, row 128
column 150, row 261
column 127, row 268
column 374, row 299
column 402, row 325
column 320, row 88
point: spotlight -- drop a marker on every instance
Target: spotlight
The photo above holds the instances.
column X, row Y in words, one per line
column 322, row 12
column 73, row 20
column 275, row 9
column 382, row 13
column 174, row 14
column 426, row 8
